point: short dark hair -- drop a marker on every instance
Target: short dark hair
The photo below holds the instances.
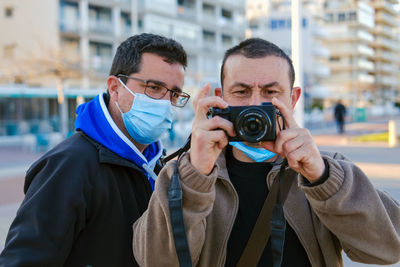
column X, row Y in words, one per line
column 258, row 48
column 129, row 53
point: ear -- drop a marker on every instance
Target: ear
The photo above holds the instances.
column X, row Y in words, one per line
column 296, row 93
column 113, row 85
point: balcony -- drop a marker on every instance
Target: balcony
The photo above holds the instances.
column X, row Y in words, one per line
column 102, row 3
column 385, row 18
column 209, row 44
column 100, row 27
column 232, row 3
column 100, row 64
column 69, row 26
column 385, row 6
column 340, row 66
column 321, row 71
column 386, row 44
column 365, row 50
column 385, row 56
column 320, row 51
column 365, row 65
column 319, row 91
column 366, row 78
column 320, row 33
column 389, row 81
column 187, row 13
column 209, row 20
column 384, row 30
column 386, row 68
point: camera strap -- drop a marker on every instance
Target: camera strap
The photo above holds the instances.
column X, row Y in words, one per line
column 177, row 220
column 270, row 223
column 176, row 211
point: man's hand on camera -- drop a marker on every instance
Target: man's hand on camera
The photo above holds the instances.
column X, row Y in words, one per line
column 208, row 135
column 297, row 146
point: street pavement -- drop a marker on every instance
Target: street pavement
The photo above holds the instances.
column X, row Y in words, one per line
column 380, row 162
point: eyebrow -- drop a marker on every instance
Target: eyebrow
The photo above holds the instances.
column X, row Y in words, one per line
column 248, row 86
column 175, row 88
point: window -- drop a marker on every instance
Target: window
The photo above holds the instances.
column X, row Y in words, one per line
column 69, row 16
column 329, row 17
column 8, row 12
column 186, row 3
column 208, row 9
column 273, row 24
column 226, row 39
column 208, row 36
column 352, row 16
column 281, row 24
column 341, row 17
column 334, row 59
column 304, row 22
column 226, row 14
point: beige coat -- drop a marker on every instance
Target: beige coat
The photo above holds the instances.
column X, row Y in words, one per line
column 345, row 212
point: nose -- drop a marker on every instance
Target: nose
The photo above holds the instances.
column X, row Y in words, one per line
column 256, row 98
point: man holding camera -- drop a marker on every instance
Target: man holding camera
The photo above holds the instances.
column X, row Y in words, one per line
column 329, row 205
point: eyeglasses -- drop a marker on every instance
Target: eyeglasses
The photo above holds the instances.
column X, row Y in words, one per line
column 155, row 90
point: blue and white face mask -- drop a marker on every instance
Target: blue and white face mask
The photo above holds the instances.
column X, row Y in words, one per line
column 255, row 153
column 148, row 118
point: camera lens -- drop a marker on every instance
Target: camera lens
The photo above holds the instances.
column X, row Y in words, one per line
column 253, row 124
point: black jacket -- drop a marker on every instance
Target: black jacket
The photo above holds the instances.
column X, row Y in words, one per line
column 81, row 201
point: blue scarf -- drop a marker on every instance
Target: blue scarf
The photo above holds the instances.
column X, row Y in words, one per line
column 95, row 121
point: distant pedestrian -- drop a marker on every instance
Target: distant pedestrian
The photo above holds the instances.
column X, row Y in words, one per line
column 340, row 113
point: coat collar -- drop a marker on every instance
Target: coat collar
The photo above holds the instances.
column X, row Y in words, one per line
column 107, row 156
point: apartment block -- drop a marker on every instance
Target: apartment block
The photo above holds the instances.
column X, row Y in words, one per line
column 349, row 25
column 386, row 46
column 89, row 31
column 46, row 43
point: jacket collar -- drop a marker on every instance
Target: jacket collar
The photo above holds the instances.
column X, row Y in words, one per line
column 107, row 156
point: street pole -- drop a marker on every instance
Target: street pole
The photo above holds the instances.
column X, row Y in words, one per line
column 297, row 58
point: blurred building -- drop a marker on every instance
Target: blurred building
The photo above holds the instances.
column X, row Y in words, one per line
column 271, row 20
column 350, row 25
column 70, row 44
column 350, row 47
column 386, row 46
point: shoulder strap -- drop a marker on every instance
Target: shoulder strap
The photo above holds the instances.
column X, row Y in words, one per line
column 270, row 219
column 177, row 221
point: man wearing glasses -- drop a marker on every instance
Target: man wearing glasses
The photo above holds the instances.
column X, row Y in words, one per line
column 83, row 196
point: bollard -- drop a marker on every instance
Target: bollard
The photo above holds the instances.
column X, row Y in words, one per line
column 394, row 133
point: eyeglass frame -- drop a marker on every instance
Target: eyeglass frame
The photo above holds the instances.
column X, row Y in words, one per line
column 181, row 93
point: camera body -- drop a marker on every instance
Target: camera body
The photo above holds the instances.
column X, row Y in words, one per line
column 252, row 123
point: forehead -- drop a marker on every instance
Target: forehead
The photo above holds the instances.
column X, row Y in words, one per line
column 156, row 67
column 239, row 68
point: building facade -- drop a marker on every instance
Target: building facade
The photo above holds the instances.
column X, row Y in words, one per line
column 69, row 44
column 353, row 43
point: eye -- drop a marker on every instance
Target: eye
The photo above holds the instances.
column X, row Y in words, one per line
column 270, row 92
column 240, row 92
column 154, row 87
column 175, row 94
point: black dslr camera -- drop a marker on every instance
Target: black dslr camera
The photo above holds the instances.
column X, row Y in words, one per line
column 252, row 123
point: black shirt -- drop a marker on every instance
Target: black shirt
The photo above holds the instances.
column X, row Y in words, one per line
column 249, row 180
